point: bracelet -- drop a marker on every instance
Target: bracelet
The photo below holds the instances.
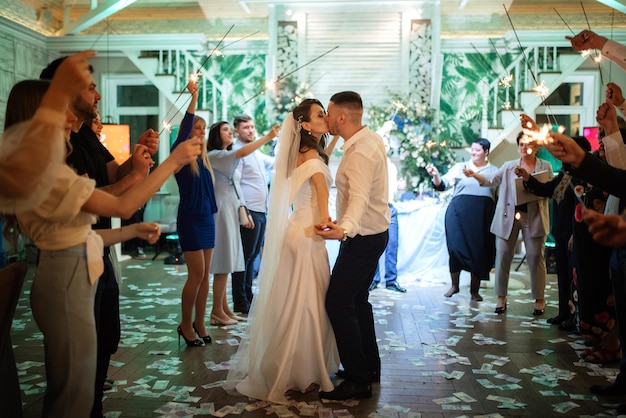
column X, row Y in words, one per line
column 345, row 235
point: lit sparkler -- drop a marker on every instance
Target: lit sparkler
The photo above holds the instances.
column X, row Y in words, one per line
column 506, row 81
column 288, row 74
column 167, row 123
column 541, row 89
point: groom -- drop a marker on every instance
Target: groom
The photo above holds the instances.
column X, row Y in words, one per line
column 363, row 220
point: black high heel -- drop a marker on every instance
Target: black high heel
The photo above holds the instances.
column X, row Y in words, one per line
column 190, row 343
column 500, row 309
column 207, row 339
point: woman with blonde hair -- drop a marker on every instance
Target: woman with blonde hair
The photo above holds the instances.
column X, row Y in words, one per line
column 196, row 227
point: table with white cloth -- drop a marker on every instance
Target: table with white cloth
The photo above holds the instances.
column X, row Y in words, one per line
column 422, row 249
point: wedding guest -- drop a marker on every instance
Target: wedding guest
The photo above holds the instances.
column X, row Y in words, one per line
column 289, row 344
column 96, row 125
column 70, row 261
column 561, row 190
column 30, row 158
column 531, row 218
column 254, row 190
column 471, row 245
column 228, row 256
column 89, row 157
column 196, row 226
column 361, row 226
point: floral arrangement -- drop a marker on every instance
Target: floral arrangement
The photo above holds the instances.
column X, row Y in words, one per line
column 416, row 137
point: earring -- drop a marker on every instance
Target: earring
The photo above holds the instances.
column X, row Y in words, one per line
column 309, row 132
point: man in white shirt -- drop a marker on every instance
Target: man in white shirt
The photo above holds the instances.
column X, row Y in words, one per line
column 253, row 184
column 362, row 224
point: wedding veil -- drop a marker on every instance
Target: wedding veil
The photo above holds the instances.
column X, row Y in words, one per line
column 281, row 197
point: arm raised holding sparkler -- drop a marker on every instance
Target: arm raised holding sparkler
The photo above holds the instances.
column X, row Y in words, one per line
column 613, row 141
column 587, row 39
column 614, row 93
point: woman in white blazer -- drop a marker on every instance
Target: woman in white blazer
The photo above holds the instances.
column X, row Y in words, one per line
column 532, row 218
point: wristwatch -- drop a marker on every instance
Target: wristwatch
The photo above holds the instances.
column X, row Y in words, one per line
column 345, row 235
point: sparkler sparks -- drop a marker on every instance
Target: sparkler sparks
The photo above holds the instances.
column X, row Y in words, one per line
column 541, row 89
column 506, row 81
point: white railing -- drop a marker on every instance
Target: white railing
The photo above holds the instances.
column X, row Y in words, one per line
column 180, row 64
column 525, row 69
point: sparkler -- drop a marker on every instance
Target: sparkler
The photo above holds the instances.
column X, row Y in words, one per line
column 570, row 29
column 598, row 57
column 540, row 88
column 167, row 124
column 272, row 84
column 506, row 81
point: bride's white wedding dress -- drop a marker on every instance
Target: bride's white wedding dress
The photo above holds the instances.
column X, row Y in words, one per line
column 289, row 343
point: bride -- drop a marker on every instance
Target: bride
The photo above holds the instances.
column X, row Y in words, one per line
column 289, row 343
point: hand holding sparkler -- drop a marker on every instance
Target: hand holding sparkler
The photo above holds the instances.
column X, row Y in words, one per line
column 529, row 124
column 141, row 161
column 186, row 152
column 470, row 173
column 434, row 173
column 150, row 139
column 607, row 117
column 609, row 230
column 586, row 40
column 521, row 172
column 565, row 149
column 614, row 93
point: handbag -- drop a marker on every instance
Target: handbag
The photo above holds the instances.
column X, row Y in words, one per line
column 243, row 210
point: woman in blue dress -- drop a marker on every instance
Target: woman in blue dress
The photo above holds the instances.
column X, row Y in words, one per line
column 228, row 256
column 196, row 227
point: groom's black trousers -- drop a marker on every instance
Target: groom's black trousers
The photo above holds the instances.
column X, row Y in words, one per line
column 348, row 307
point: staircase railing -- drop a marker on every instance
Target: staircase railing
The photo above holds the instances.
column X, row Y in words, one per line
column 180, row 64
column 526, row 72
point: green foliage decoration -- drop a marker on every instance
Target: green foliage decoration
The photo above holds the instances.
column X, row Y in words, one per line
column 418, row 138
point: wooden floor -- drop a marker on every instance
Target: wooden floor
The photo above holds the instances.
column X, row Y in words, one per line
column 440, row 357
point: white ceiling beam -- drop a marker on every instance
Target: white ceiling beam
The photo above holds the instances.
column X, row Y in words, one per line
column 619, row 5
column 106, row 9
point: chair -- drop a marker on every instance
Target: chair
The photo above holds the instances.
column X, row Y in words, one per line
column 11, row 281
column 168, row 224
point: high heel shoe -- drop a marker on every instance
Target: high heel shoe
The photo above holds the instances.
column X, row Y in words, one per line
column 206, row 339
column 236, row 317
column 190, row 343
column 500, row 309
column 537, row 311
column 215, row 321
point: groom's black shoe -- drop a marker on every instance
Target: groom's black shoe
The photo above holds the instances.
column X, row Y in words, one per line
column 396, row 287
column 348, row 390
column 374, row 375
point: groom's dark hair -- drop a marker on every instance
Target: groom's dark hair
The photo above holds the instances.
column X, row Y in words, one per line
column 348, row 99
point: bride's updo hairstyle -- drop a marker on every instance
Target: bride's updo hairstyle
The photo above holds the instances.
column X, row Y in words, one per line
column 302, row 113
